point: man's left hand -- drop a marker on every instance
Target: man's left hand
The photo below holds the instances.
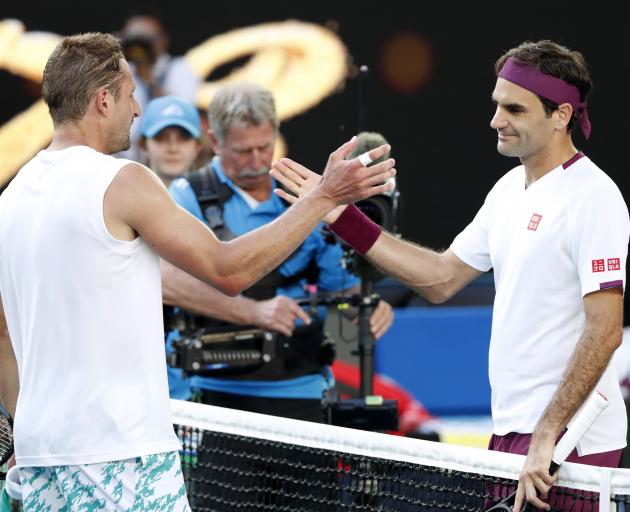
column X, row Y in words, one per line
column 535, row 481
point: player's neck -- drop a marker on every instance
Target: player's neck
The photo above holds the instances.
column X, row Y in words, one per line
column 545, row 161
column 77, row 133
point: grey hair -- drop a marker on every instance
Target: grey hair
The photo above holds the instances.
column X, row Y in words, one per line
column 241, row 103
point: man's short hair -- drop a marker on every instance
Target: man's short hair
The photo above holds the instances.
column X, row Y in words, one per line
column 244, row 102
column 76, row 69
column 556, row 60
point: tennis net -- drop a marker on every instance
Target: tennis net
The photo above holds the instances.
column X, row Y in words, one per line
column 250, row 462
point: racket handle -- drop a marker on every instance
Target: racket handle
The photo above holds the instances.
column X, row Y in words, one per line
column 593, row 407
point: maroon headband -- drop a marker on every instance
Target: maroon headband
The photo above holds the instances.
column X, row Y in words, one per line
column 547, row 86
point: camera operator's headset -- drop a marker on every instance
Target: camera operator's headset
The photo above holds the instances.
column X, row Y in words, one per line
column 215, row 348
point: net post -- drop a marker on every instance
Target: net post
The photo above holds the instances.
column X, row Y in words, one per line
column 605, row 502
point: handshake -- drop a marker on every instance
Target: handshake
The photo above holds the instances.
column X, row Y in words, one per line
column 343, row 181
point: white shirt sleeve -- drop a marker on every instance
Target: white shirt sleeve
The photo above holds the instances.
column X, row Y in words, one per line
column 598, row 234
column 471, row 245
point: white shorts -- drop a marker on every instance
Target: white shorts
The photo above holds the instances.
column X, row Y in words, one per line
column 151, row 482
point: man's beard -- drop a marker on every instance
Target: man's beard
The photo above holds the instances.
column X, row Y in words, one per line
column 123, row 145
column 120, row 140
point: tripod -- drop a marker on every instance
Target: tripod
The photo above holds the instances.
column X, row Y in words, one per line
column 368, row 412
column 367, row 304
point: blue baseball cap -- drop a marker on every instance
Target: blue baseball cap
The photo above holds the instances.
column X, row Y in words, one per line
column 170, row 111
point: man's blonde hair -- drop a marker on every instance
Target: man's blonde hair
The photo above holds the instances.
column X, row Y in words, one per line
column 76, row 69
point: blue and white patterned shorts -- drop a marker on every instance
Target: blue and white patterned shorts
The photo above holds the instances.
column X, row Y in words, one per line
column 148, row 483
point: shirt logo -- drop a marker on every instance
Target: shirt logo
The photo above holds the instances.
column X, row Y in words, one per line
column 614, row 264
column 534, row 221
column 598, row 266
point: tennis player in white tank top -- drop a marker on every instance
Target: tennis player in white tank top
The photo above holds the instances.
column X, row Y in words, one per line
column 80, row 235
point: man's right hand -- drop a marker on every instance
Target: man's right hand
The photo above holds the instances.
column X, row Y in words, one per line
column 278, row 314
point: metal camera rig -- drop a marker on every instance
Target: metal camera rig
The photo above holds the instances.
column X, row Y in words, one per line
column 368, row 412
column 224, row 351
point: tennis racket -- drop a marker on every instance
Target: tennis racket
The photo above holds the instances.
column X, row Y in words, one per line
column 595, row 405
column 6, row 437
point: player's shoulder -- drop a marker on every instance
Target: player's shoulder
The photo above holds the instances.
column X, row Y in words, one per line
column 134, row 180
column 586, row 179
column 592, row 192
column 131, row 170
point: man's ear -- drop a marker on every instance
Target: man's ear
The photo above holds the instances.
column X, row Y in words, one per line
column 564, row 112
column 103, row 101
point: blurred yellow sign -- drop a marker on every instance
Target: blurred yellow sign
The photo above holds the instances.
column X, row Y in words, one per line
column 301, row 63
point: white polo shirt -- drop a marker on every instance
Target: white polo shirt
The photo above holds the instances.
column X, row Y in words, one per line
column 563, row 237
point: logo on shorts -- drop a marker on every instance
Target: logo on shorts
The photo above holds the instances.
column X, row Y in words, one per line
column 598, row 266
column 534, row 221
column 614, row 264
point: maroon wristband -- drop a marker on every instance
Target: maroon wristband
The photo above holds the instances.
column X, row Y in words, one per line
column 356, row 229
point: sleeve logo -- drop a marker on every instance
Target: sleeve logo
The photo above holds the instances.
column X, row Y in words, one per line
column 534, row 221
column 598, row 266
column 614, row 264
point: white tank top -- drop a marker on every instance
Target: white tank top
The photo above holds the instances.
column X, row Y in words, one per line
column 84, row 312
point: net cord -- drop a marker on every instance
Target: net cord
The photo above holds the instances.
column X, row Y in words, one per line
column 388, row 447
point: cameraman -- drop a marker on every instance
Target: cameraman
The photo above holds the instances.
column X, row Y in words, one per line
column 155, row 72
column 243, row 131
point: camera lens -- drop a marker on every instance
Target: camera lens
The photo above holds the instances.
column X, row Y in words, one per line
column 139, row 49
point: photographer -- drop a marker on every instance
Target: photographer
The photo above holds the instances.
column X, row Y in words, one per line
column 155, row 72
column 243, row 131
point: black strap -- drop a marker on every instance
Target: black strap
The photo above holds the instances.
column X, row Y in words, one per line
column 211, row 195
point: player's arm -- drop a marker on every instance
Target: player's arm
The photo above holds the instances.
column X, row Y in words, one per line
column 137, row 199
column 602, row 335
column 187, row 292
column 437, row 276
column 9, row 384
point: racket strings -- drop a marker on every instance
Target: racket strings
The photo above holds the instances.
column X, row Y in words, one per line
column 6, row 437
